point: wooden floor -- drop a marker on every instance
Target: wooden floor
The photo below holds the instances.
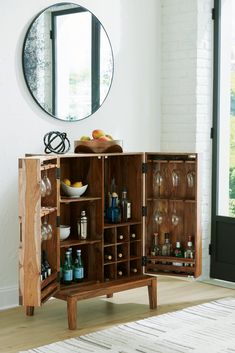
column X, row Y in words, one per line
column 49, row 324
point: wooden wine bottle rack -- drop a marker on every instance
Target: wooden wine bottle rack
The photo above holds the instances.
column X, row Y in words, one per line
column 128, row 244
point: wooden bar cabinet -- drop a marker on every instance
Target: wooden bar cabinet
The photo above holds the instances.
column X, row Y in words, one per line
column 157, row 184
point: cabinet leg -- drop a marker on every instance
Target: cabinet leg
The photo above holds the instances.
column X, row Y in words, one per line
column 109, row 295
column 152, row 291
column 29, row 310
column 72, row 313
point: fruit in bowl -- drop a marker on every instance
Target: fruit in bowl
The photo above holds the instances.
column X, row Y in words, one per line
column 99, row 142
column 75, row 189
column 64, row 232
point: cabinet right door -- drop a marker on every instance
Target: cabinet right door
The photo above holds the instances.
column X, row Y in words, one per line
column 172, row 225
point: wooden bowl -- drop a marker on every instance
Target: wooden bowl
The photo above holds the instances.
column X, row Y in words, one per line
column 96, row 146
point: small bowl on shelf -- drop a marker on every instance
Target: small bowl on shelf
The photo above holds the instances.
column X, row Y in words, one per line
column 71, row 191
column 64, row 232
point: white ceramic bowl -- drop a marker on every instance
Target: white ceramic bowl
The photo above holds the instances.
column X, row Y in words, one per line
column 72, row 191
column 64, row 232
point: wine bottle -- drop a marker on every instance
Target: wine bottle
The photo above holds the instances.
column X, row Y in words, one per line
column 120, row 273
column 46, row 263
column 134, row 270
column 125, row 207
column 120, row 255
column 108, row 257
column 133, row 236
column 120, row 236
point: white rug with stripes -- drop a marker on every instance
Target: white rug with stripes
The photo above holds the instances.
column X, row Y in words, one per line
column 205, row 328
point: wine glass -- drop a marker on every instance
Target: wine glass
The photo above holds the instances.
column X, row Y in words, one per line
column 174, row 217
column 158, row 217
column 190, row 179
column 175, row 178
column 159, row 178
column 43, row 231
column 47, row 183
column 43, row 188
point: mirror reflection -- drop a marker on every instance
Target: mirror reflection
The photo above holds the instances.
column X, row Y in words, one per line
column 68, row 62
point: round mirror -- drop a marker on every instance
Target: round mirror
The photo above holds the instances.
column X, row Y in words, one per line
column 68, row 61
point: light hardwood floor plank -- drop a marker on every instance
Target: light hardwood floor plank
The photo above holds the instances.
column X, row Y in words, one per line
column 49, row 323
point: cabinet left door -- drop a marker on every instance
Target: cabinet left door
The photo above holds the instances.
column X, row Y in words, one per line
column 39, row 235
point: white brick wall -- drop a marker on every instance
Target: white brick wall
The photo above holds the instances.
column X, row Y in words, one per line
column 187, row 92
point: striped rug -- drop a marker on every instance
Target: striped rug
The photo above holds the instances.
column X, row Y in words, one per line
column 205, row 328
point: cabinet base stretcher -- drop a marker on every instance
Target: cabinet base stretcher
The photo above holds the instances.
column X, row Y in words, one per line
column 73, row 295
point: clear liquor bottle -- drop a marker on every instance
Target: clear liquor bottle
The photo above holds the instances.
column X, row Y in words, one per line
column 155, row 249
column 125, row 207
column 189, row 251
column 166, row 247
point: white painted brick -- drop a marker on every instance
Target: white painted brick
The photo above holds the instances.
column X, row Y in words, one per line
column 186, row 91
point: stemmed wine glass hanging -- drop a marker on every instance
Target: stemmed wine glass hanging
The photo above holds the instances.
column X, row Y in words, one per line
column 46, row 187
column 46, row 229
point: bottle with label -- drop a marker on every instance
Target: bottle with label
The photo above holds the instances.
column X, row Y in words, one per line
column 113, row 212
column 125, row 207
column 43, row 272
column 82, row 226
column 67, row 269
column 155, row 250
column 178, row 252
column 78, row 268
column 189, row 251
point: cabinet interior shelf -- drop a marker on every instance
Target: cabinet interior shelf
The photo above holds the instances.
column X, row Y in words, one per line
column 65, row 199
column 74, row 242
column 170, row 199
column 171, row 259
column 114, row 225
column 47, row 166
column 48, row 280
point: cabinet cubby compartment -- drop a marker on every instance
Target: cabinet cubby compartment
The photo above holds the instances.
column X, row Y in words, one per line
column 122, row 234
column 88, row 170
column 110, row 272
column 135, row 249
column 122, row 252
column 70, row 213
column 123, row 270
column 135, row 232
column 109, row 236
column 110, row 254
column 135, row 267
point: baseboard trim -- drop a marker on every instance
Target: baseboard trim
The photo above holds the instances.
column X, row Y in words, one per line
column 220, row 283
column 9, row 297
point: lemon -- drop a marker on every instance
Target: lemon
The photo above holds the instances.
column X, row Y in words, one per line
column 77, row 184
column 67, row 182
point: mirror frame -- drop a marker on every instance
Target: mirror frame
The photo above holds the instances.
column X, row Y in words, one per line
column 95, row 40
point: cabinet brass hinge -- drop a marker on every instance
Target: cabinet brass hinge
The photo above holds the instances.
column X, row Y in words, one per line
column 144, row 261
column 144, row 211
column 144, row 168
column 57, row 221
column 210, row 249
column 58, row 173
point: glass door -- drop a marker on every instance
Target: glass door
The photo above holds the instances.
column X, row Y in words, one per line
column 223, row 193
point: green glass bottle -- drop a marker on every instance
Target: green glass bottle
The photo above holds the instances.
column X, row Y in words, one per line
column 78, row 268
column 67, row 269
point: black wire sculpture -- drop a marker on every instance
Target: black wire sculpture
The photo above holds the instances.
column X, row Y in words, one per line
column 56, row 142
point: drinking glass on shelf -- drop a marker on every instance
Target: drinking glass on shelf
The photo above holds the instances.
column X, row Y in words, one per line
column 43, row 231
column 46, row 230
column 47, row 183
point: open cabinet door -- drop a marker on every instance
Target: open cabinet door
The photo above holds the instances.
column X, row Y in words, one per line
column 38, row 206
column 172, row 231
